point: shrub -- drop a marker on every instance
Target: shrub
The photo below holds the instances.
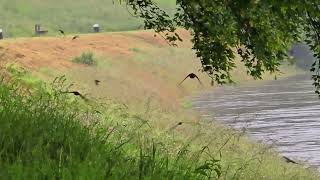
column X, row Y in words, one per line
column 87, row 58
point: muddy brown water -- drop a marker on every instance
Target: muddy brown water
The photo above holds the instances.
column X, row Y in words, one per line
column 284, row 112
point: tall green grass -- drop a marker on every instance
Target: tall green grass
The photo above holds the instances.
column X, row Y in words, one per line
column 46, row 135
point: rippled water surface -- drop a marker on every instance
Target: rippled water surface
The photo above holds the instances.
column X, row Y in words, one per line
column 287, row 112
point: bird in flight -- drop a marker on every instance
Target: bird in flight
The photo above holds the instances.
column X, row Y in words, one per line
column 76, row 93
column 75, row 37
column 175, row 126
column 62, row 32
column 191, row 76
column 289, row 160
column 97, row 82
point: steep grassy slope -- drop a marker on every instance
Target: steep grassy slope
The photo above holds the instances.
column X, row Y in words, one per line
column 19, row 17
column 49, row 135
column 140, row 71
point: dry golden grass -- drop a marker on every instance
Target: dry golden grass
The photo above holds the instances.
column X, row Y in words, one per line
column 132, row 66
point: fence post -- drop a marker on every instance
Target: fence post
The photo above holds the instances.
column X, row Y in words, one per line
column 96, row 28
column 1, row 34
column 36, row 29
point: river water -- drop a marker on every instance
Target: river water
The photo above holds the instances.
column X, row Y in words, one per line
column 284, row 112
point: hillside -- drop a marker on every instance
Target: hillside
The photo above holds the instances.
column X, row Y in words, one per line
column 142, row 72
column 131, row 66
column 19, row 17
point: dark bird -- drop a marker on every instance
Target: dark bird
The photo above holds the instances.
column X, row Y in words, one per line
column 175, row 126
column 75, row 37
column 191, row 76
column 61, row 31
column 289, row 160
column 97, row 111
column 76, row 93
column 97, row 82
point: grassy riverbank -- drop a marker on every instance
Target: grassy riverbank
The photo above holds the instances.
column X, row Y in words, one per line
column 133, row 124
column 46, row 136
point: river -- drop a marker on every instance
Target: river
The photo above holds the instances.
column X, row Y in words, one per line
column 283, row 112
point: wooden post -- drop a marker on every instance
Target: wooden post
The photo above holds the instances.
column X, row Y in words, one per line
column 36, row 29
column 96, row 28
column 1, row 34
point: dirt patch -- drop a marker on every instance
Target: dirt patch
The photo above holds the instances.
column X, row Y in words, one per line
column 138, row 64
column 57, row 52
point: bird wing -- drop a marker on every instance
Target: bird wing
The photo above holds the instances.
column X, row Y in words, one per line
column 79, row 94
column 184, row 79
column 72, row 92
column 83, row 97
column 61, row 31
column 289, row 160
column 199, row 80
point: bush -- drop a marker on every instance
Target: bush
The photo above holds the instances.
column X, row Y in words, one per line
column 23, row 76
column 87, row 58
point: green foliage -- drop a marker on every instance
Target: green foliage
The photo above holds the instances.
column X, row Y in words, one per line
column 313, row 40
column 47, row 135
column 23, row 76
column 87, row 58
column 261, row 32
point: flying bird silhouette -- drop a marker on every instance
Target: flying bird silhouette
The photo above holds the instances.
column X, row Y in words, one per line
column 97, row 82
column 175, row 126
column 97, row 111
column 75, row 37
column 76, row 93
column 289, row 160
column 191, row 76
column 61, row 31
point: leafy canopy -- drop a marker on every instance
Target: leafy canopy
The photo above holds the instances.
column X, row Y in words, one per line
column 259, row 31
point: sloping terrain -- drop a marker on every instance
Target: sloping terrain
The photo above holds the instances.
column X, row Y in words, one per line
column 132, row 66
column 144, row 73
